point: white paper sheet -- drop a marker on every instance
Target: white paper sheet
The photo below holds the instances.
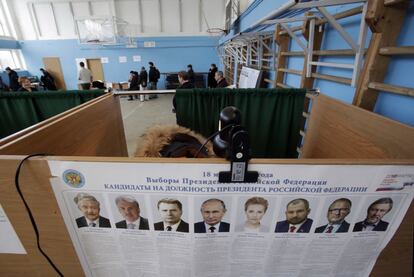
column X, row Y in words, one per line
column 9, row 241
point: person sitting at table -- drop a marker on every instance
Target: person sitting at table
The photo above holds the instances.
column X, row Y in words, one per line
column 26, row 85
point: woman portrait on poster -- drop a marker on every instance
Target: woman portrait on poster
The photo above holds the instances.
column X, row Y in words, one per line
column 254, row 208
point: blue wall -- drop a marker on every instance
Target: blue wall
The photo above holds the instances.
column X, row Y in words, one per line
column 9, row 44
column 400, row 108
column 171, row 54
column 400, row 73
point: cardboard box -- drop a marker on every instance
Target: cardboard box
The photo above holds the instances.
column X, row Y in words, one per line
column 120, row 86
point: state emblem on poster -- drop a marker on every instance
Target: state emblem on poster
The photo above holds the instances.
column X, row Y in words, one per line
column 73, row 178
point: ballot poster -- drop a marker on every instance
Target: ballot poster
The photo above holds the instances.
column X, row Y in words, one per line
column 167, row 219
column 249, row 77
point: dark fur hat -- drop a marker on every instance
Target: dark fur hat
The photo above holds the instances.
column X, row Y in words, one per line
column 173, row 141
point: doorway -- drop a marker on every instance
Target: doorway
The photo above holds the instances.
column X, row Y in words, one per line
column 95, row 66
column 52, row 65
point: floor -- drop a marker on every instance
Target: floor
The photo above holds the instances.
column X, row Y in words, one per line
column 139, row 116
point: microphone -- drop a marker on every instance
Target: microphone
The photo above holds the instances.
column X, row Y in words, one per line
column 229, row 123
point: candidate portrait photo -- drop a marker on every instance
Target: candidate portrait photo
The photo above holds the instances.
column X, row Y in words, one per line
column 170, row 213
column 90, row 208
column 213, row 213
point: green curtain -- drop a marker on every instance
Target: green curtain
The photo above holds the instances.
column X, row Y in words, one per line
column 19, row 110
column 272, row 117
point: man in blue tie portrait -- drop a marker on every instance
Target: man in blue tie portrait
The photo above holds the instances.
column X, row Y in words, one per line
column 128, row 207
column 337, row 211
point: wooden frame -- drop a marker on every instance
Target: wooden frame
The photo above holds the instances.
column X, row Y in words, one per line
column 87, row 130
column 339, row 130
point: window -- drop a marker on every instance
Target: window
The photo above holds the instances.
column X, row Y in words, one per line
column 6, row 25
column 11, row 58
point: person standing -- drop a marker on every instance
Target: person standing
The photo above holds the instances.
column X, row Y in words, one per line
column 211, row 74
column 143, row 78
column 13, row 79
column 190, row 74
column 154, row 76
column 85, row 77
column 133, row 83
column 47, row 80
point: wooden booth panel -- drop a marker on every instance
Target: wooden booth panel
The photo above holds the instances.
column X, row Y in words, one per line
column 91, row 130
column 45, row 122
column 397, row 258
column 341, row 131
column 54, row 237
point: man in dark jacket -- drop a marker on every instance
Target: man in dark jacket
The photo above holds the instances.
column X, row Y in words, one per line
column 337, row 212
column 184, row 84
column 190, row 73
column 375, row 212
column 143, row 81
column 129, row 208
column 171, row 211
column 133, row 83
column 211, row 73
column 13, row 79
column 154, row 75
column 47, row 80
column 221, row 81
column 143, row 77
column 297, row 220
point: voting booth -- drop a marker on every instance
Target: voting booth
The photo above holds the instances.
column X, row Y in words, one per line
column 346, row 152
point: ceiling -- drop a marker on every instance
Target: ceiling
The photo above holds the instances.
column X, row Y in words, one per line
column 39, row 19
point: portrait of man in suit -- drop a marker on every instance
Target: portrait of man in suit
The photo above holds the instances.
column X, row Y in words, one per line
column 128, row 207
column 297, row 220
column 90, row 207
column 337, row 211
column 213, row 211
column 170, row 211
column 375, row 212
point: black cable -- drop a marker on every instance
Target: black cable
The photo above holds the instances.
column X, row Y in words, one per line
column 209, row 138
column 16, row 181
